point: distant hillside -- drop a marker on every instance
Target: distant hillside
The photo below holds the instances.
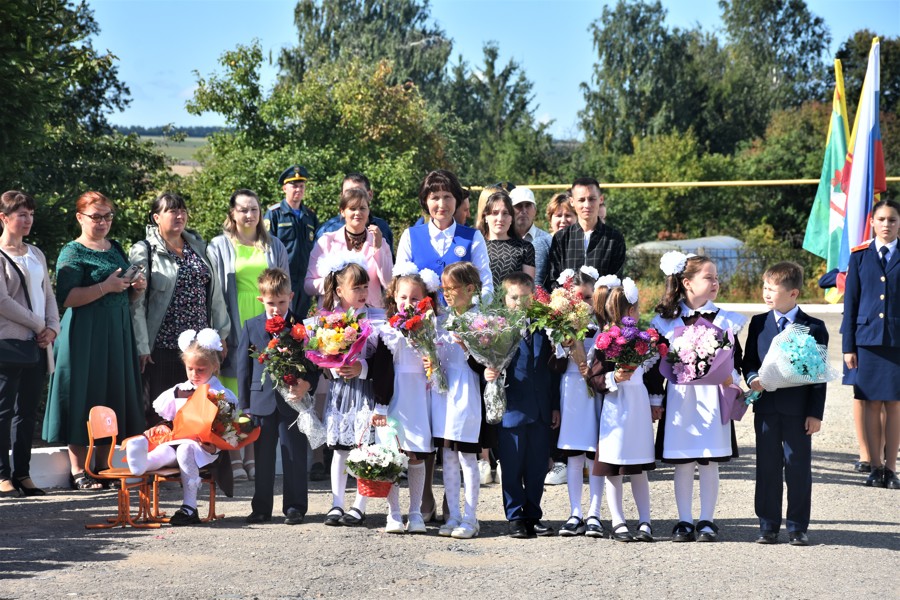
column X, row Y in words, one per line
column 161, row 130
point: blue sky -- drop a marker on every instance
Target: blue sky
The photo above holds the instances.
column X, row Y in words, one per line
column 160, row 43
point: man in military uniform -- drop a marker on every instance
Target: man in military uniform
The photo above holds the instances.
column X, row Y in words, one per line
column 295, row 225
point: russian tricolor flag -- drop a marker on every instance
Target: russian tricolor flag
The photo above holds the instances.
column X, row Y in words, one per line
column 863, row 177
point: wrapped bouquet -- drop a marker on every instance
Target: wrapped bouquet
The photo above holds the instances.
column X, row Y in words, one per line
column 491, row 336
column 700, row 354
column 376, row 467
column 628, row 346
column 563, row 313
column 795, row 359
column 284, row 360
column 418, row 324
column 336, row 338
column 209, row 417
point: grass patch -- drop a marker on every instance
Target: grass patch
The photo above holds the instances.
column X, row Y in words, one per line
column 186, row 150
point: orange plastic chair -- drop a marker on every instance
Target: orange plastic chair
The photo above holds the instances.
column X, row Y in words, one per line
column 102, row 423
column 205, row 477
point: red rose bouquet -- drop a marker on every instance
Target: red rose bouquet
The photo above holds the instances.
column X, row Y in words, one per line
column 418, row 324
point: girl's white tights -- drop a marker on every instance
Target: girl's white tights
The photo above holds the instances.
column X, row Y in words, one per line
column 339, row 482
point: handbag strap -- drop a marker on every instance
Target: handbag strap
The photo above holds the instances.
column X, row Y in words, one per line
column 15, row 266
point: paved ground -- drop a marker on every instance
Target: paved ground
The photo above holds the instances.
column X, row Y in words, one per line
column 45, row 551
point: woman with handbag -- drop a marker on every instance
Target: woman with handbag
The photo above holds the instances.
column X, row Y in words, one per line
column 29, row 322
column 96, row 358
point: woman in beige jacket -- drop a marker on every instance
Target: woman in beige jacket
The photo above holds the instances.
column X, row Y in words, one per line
column 27, row 312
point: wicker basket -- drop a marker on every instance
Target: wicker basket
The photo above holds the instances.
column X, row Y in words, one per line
column 374, row 489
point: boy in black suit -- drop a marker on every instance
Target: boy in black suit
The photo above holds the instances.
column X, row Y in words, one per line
column 784, row 419
column 532, row 410
column 258, row 397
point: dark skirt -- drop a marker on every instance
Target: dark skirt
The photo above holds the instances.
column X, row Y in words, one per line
column 567, row 453
column 464, row 447
column 603, row 469
column 878, row 373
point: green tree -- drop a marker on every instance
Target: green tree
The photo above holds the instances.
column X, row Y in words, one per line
column 368, row 31
column 783, row 42
column 342, row 117
column 56, row 140
column 854, row 56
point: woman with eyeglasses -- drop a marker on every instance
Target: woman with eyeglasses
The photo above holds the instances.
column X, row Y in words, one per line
column 183, row 294
column 95, row 354
column 238, row 256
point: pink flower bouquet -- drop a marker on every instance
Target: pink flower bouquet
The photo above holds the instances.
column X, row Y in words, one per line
column 700, row 354
column 336, row 338
column 628, row 346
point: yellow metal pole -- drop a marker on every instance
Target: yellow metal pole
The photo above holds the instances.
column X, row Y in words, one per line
column 682, row 184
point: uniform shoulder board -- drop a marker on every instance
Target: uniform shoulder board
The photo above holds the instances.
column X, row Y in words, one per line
column 862, row 246
column 273, row 206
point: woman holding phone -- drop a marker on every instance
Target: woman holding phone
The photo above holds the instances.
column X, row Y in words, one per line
column 95, row 354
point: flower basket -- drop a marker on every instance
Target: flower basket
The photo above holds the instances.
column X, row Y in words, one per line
column 372, row 488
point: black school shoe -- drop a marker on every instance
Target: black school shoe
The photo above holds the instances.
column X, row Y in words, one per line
column 862, row 466
column 540, row 529
column 891, row 481
column 767, row 537
column 707, row 536
column 799, row 538
column 520, row 530
column 876, row 478
column 333, row 517
column 293, row 517
column 256, row 518
column 683, row 532
column 186, row 515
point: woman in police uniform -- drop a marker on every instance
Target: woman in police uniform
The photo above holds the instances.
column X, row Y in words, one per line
column 871, row 339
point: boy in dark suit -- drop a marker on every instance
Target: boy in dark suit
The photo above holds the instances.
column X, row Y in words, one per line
column 784, row 419
column 532, row 409
column 258, row 397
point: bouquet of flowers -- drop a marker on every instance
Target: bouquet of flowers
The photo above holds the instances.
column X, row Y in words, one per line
column 417, row 323
column 284, row 360
column 700, row 354
column 794, row 359
column 230, row 423
column 491, row 336
column 563, row 313
column 628, row 346
column 208, row 417
column 376, row 468
column 336, row 338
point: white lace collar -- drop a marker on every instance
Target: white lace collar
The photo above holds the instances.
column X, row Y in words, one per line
column 687, row 311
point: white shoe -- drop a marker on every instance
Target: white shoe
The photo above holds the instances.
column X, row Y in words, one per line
column 447, row 528
column 498, row 475
column 556, row 475
column 394, row 525
column 484, row 471
column 466, row 531
column 415, row 523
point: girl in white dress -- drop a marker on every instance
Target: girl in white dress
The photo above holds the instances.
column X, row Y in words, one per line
column 355, row 386
column 200, row 354
column 691, row 435
column 579, row 418
column 410, row 405
column 632, row 401
column 457, row 416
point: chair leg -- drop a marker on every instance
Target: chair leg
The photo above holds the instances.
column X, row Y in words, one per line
column 212, row 516
column 123, row 513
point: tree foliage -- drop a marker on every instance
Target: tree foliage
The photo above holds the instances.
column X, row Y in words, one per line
column 340, row 118
column 56, row 140
column 399, row 31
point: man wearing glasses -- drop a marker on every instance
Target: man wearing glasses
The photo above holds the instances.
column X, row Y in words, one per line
column 295, row 225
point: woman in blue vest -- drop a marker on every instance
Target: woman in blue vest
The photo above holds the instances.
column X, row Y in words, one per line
column 442, row 241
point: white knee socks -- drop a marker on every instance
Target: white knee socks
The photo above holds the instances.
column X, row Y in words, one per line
column 709, row 491
column 339, row 477
column 452, row 482
column 614, row 499
column 595, row 485
column 684, row 491
column 393, row 501
column 190, row 473
column 640, row 489
column 416, row 479
column 575, row 482
column 472, row 479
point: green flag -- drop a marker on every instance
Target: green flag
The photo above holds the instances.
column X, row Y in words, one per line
column 826, row 220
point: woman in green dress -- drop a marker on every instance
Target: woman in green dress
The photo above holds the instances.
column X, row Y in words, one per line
column 95, row 354
column 238, row 257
